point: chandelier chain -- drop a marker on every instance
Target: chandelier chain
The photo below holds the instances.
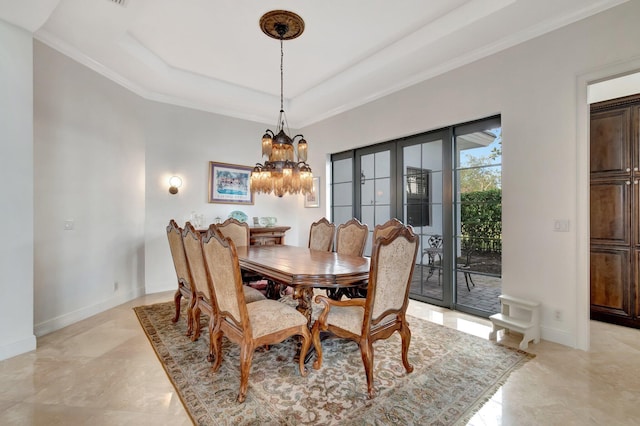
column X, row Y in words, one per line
column 281, row 76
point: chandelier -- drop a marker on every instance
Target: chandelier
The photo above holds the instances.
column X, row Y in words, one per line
column 280, row 174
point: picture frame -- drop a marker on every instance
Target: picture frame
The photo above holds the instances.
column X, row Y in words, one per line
column 313, row 199
column 230, row 183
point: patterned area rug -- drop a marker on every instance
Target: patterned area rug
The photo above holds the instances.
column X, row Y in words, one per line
column 454, row 374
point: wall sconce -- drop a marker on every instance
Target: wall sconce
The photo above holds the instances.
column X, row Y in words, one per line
column 175, row 182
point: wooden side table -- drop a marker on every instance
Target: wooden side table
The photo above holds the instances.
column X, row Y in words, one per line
column 267, row 235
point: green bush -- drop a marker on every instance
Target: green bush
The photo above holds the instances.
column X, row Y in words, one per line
column 481, row 221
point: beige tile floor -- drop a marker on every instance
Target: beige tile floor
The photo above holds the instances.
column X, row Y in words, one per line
column 102, row 371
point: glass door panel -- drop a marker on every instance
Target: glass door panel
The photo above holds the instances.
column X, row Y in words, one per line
column 342, row 189
column 422, row 179
column 478, row 225
column 375, row 191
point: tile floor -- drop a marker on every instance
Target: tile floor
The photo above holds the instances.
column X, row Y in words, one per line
column 102, row 371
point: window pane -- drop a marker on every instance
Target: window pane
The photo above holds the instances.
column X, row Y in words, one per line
column 383, row 191
column 341, row 214
column 367, row 216
column 479, row 179
column 342, row 194
column 382, row 214
column 342, row 170
column 367, row 195
column 484, row 147
column 383, row 164
column 432, row 156
column 366, row 167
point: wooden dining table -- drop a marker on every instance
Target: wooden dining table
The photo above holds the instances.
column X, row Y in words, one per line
column 304, row 269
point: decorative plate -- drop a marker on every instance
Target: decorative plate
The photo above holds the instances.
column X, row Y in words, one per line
column 239, row 216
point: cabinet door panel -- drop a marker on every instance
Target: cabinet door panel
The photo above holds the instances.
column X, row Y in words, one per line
column 610, row 143
column 610, row 281
column 610, row 212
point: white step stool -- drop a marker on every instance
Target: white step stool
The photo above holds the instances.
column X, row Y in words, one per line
column 518, row 315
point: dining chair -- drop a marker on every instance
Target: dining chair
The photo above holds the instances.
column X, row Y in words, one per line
column 193, row 249
column 236, row 230
column 386, row 228
column 351, row 238
column 264, row 322
column 186, row 288
column 239, row 232
column 383, row 311
column 321, row 235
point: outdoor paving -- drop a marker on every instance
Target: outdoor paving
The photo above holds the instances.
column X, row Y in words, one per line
column 482, row 296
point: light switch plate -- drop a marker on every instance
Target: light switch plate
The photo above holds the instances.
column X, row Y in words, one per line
column 561, row 225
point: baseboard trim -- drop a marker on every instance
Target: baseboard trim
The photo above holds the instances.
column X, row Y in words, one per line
column 555, row 335
column 62, row 321
column 18, row 347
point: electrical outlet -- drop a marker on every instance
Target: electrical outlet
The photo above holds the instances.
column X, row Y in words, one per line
column 68, row 225
column 115, row 286
column 558, row 315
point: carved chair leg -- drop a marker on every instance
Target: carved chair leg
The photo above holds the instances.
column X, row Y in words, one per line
column 306, row 343
column 246, row 355
column 212, row 354
column 176, row 301
column 366, row 350
column 195, row 319
column 405, row 334
column 315, row 335
column 190, row 307
column 215, row 346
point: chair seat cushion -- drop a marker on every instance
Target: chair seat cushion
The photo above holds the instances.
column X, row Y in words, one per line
column 251, row 294
column 268, row 316
column 350, row 318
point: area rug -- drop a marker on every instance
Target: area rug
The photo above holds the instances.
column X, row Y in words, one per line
column 454, row 374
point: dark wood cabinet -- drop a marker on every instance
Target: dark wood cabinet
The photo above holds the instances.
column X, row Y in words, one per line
column 615, row 212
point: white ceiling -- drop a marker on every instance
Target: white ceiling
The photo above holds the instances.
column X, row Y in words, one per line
column 212, row 55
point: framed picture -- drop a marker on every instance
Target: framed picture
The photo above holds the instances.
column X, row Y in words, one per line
column 229, row 183
column 313, row 199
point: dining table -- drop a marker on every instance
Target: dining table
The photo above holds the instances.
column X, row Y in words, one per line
column 305, row 269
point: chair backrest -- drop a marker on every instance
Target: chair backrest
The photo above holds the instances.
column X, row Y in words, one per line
column 351, row 237
column 174, row 235
column 193, row 249
column 393, row 259
column 386, row 228
column 321, row 235
column 236, row 230
column 222, row 265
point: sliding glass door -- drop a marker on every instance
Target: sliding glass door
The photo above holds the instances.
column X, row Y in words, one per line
column 425, row 183
column 446, row 184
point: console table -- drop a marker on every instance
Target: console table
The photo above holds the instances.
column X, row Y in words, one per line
column 267, row 235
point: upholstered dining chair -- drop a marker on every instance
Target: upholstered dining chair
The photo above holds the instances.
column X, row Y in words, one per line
column 264, row 322
column 240, row 235
column 386, row 228
column 383, row 311
column 236, row 230
column 193, row 249
column 351, row 238
column 321, row 235
column 186, row 286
